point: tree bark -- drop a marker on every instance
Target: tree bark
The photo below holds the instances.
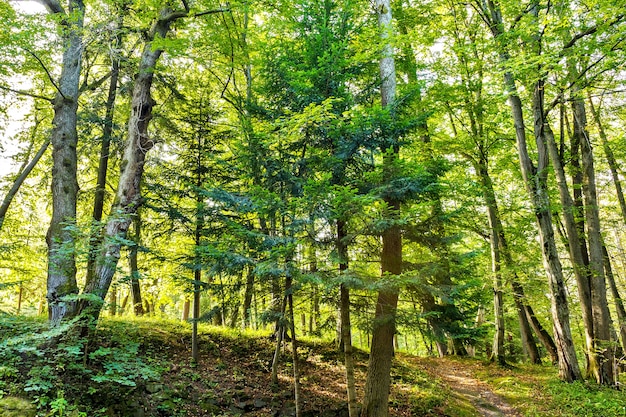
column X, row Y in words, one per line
column 617, row 299
column 610, row 157
column 135, row 275
column 600, row 307
column 128, row 196
column 536, row 186
column 576, row 248
column 61, row 280
column 346, row 332
column 497, row 353
column 377, row 384
column 247, row 299
column 294, row 348
column 103, row 164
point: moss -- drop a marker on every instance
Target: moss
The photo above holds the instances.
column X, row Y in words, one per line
column 16, row 407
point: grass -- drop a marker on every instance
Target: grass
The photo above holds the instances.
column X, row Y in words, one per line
column 536, row 391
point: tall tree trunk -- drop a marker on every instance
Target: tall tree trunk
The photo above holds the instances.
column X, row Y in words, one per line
column 61, row 280
column 542, row 334
column 280, row 333
column 497, row 353
column 577, row 248
column 536, row 185
column 128, row 197
column 377, row 384
column 346, row 332
column 113, row 300
column 103, row 164
column 536, row 181
column 600, row 307
column 197, row 279
column 528, row 341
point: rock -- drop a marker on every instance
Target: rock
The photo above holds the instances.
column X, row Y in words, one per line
column 16, row 407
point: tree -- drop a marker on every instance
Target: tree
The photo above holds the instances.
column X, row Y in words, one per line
column 535, row 179
column 375, row 401
column 64, row 139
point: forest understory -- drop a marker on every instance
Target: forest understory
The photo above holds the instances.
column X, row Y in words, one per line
column 232, row 378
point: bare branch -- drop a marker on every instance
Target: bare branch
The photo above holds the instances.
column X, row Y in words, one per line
column 25, row 93
column 46, row 70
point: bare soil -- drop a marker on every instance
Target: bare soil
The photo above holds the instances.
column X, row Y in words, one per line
column 460, row 377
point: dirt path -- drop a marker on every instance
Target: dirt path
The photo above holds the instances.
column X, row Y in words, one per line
column 461, row 380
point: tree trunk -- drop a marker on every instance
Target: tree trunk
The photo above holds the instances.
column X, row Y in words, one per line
column 497, row 353
column 197, row 279
column 128, row 197
column 103, row 164
column 346, row 332
column 536, row 186
column 617, row 299
column 135, row 276
column 542, row 334
column 294, row 348
column 186, row 308
column 247, row 299
column 377, row 384
column 610, row 157
column 61, row 280
column 113, row 301
column 280, row 332
column 530, row 347
column 600, row 307
column 577, row 249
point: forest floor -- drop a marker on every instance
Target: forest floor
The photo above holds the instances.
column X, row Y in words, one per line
column 142, row 368
column 461, row 376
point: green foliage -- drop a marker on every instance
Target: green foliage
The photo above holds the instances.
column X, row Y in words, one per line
column 55, row 358
column 581, row 399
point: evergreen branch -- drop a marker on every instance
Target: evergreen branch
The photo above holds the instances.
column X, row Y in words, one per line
column 46, row 70
column 25, row 93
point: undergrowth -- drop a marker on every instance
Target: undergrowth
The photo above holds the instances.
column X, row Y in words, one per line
column 128, row 364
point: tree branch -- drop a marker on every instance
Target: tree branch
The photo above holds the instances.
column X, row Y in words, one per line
column 590, row 31
column 206, row 12
column 25, row 93
column 97, row 83
column 46, row 70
